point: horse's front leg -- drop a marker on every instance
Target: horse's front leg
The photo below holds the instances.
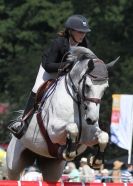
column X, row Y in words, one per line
column 98, row 160
column 70, row 150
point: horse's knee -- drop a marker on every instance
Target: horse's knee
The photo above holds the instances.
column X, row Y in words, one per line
column 70, row 150
column 103, row 138
column 72, row 129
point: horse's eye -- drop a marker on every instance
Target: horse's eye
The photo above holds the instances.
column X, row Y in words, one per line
column 87, row 88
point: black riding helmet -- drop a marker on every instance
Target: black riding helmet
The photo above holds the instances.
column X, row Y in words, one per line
column 78, row 23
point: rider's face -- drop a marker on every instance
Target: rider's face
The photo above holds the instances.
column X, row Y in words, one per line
column 78, row 36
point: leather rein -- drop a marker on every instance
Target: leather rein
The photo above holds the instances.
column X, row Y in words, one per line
column 79, row 98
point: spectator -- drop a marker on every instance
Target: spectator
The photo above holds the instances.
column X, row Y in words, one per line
column 126, row 175
column 130, row 168
column 31, row 174
column 105, row 178
column 116, row 173
column 65, row 175
column 86, row 173
column 97, row 176
column 73, row 175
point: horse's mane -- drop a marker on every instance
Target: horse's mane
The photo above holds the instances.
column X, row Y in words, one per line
column 81, row 57
column 80, row 53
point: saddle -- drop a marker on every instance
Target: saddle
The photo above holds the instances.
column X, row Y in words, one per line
column 38, row 98
column 42, row 90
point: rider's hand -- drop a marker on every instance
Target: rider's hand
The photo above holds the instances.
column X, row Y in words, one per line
column 66, row 68
column 71, row 58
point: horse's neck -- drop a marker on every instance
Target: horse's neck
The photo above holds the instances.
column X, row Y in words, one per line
column 62, row 90
column 78, row 71
column 60, row 100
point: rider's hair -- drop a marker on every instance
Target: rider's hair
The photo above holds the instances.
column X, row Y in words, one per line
column 64, row 33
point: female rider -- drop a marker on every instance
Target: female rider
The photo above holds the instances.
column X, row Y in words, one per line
column 53, row 60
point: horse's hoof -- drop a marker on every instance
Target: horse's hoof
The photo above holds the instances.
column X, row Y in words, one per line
column 72, row 154
column 95, row 163
column 69, row 156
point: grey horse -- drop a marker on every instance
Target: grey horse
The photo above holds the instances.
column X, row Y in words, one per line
column 66, row 122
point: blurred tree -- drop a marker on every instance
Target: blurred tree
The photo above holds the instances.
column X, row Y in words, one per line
column 26, row 28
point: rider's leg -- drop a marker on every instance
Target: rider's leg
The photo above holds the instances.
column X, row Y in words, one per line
column 17, row 128
column 30, row 103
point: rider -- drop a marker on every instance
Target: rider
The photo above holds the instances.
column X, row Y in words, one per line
column 54, row 59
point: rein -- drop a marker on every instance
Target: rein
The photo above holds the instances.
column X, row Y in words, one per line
column 73, row 87
column 78, row 101
column 79, row 98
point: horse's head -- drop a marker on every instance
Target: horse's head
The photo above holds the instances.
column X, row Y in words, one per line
column 91, row 89
column 89, row 77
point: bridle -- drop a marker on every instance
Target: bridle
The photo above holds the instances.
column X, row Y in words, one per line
column 80, row 98
column 84, row 98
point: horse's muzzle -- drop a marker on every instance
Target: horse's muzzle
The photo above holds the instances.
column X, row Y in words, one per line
column 90, row 122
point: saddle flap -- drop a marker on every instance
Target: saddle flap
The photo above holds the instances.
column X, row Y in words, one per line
column 43, row 89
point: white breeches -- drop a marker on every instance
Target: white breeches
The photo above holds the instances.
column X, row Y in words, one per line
column 42, row 76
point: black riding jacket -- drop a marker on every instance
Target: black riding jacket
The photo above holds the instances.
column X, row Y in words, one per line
column 55, row 57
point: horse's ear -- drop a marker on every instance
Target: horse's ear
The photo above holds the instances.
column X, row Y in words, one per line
column 112, row 63
column 90, row 65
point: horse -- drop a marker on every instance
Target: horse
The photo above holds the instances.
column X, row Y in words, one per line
column 66, row 122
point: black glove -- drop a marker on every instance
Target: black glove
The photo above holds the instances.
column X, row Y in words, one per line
column 66, row 68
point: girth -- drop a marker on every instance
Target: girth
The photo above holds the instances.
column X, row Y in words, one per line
column 52, row 147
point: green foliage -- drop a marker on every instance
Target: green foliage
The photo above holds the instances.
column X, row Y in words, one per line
column 26, row 28
column 25, row 31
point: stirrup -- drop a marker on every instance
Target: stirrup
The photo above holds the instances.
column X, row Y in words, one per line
column 18, row 133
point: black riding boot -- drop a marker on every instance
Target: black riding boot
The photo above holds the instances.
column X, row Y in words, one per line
column 18, row 127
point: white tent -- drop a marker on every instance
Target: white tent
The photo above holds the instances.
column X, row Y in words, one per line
column 122, row 122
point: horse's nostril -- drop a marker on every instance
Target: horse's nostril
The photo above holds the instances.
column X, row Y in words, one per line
column 85, row 107
column 89, row 121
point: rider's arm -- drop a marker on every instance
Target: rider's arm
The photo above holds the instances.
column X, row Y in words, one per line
column 52, row 59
